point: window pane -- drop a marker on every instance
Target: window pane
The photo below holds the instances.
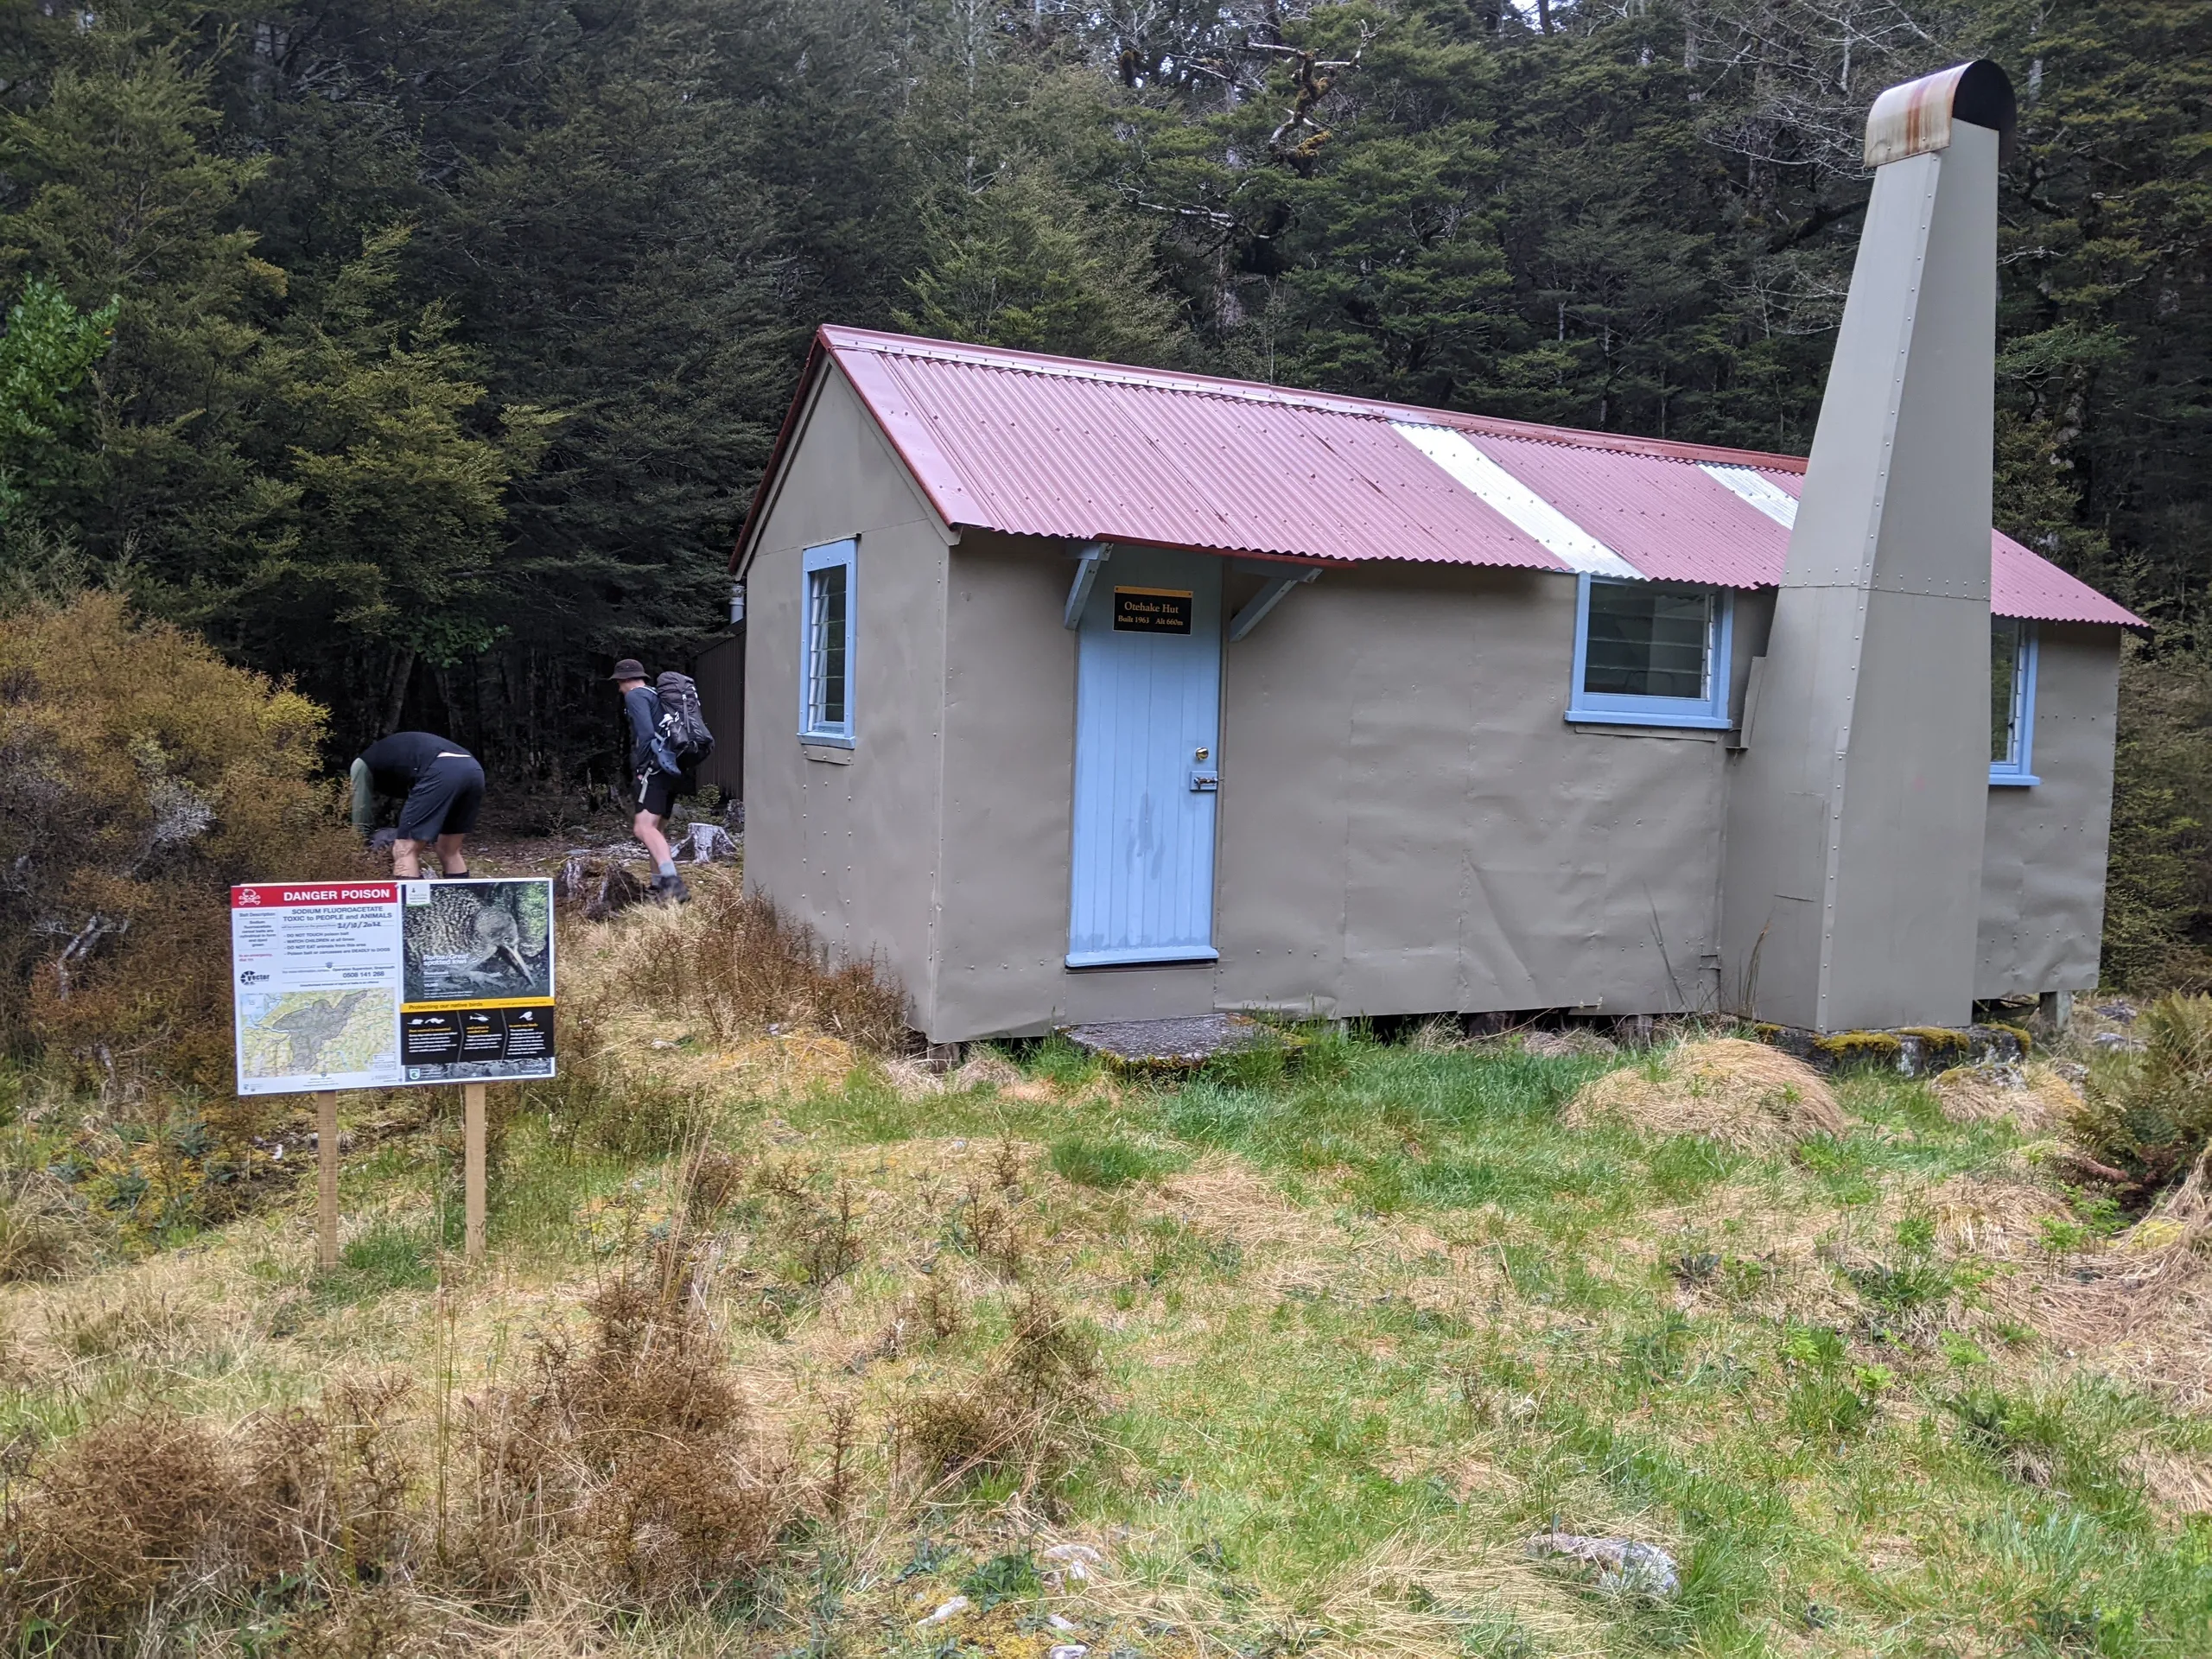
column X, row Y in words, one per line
column 2003, row 689
column 826, row 646
column 1648, row 641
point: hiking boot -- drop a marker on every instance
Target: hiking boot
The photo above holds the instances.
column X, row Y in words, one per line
column 669, row 889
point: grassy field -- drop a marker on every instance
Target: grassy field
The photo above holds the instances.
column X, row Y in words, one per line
column 1303, row 1348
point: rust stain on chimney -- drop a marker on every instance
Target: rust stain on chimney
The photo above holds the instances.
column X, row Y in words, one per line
column 1915, row 117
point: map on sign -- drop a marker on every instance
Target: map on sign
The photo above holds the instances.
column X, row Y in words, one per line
column 318, row 1033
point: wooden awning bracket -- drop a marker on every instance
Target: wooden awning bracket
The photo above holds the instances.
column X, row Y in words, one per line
column 1088, row 557
column 1256, row 607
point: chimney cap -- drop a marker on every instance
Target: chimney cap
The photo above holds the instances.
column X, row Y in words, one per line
column 1915, row 118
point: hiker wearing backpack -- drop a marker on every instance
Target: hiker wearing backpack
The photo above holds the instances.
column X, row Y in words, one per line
column 668, row 737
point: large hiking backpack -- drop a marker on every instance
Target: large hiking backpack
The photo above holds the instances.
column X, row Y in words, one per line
column 682, row 729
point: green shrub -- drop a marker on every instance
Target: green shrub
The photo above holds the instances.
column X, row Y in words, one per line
column 1003, row 1578
column 2152, row 1115
column 1829, row 1398
column 140, row 776
column 2159, row 897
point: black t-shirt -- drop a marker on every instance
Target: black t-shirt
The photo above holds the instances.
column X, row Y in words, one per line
column 398, row 761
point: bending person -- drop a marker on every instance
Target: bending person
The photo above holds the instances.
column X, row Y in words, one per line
column 442, row 787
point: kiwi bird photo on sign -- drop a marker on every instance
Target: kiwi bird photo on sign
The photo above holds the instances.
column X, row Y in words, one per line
column 468, row 940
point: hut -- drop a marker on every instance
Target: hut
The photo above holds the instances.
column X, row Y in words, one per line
column 1077, row 692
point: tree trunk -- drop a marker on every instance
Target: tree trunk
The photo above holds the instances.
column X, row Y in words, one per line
column 442, row 678
column 395, row 696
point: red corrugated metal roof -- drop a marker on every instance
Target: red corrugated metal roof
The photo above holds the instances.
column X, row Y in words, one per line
column 1056, row 446
column 1089, row 458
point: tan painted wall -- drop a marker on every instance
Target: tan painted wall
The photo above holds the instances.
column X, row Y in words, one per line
column 850, row 849
column 2042, row 879
column 1406, row 823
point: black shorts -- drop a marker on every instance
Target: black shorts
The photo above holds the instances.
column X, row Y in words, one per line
column 656, row 791
column 443, row 801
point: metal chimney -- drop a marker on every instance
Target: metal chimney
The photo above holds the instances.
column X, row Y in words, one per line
column 1853, row 875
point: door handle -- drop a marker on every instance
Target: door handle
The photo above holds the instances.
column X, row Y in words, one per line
column 1205, row 779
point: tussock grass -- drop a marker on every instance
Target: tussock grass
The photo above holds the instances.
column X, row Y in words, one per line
column 43, row 1234
column 2034, row 1098
column 733, row 964
column 1744, row 1094
column 1109, row 1162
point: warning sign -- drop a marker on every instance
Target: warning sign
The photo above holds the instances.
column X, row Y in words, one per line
column 376, row 984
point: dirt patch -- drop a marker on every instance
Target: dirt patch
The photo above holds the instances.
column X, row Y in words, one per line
column 1742, row 1094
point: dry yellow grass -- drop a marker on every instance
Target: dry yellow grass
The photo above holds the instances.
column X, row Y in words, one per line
column 794, row 1063
column 2138, row 1306
column 1399, row 1597
column 2181, row 1485
column 917, row 1080
column 1994, row 1215
column 1744, row 1094
column 2035, row 1097
column 1226, row 1196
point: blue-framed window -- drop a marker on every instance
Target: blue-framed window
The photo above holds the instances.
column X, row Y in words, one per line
column 2012, row 701
column 828, row 611
column 1651, row 653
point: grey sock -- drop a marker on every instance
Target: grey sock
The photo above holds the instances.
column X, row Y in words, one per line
column 668, row 867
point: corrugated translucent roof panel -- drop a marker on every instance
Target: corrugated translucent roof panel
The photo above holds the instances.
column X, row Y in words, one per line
column 1055, row 447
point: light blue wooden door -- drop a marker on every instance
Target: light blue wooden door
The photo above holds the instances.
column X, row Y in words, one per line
column 1147, row 748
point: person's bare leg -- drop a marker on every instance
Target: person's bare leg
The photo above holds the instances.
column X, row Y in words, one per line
column 451, row 859
column 646, row 827
column 666, row 883
column 406, row 860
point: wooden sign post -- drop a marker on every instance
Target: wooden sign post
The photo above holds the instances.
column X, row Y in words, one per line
column 326, row 1186
column 472, row 1167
